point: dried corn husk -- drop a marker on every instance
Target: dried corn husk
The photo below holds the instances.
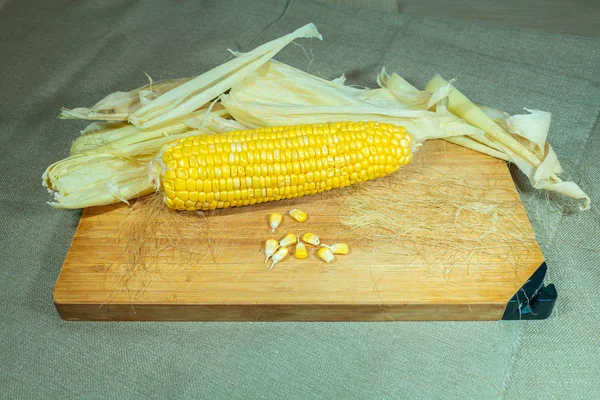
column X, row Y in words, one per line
column 403, row 91
column 101, row 137
column 278, row 94
column 119, row 106
column 206, row 87
column 522, row 138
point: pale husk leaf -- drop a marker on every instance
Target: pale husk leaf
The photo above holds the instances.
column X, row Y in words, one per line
column 421, row 124
column 277, row 94
column 102, row 138
column 119, row 106
column 542, row 166
column 533, row 126
column 204, row 88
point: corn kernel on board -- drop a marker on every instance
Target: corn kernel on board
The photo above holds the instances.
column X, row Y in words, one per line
column 377, row 281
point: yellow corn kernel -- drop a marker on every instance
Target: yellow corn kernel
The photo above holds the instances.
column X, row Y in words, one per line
column 298, row 215
column 288, row 240
column 311, row 238
column 301, row 251
column 275, row 221
column 326, row 254
column 338, row 248
column 271, row 246
column 274, row 163
column 279, row 255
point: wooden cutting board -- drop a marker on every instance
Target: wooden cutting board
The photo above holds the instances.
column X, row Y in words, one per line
column 463, row 248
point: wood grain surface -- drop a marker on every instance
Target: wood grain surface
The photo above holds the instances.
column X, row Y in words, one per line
column 141, row 263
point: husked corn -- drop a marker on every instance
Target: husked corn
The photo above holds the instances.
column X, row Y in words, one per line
column 239, row 168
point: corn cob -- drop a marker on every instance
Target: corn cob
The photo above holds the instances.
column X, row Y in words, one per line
column 255, row 166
